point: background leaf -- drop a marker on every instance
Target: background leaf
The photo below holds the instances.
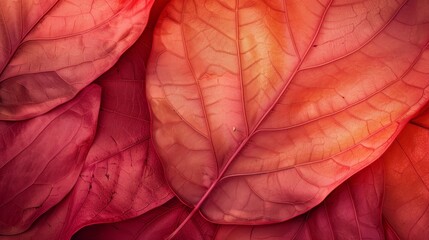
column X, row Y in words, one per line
column 50, row 50
column 37, row 170
column 406, row 165
column 156, row 224
column 352, row 211
column 122, row 177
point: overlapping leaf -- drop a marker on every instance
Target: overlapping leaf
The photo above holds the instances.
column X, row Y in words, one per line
column 406, row 164
column 272, row 104
column 41, row 158
column 352, row 211
column 156, row 224
column 50, row 50
column 122, row 177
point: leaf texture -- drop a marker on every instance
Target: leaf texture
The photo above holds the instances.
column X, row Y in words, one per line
column 156, row 224
column 50, row 50
column 351, row 211
column 36, row 172
column 407, row 183
column 122, row 177
column 96, row 199
column 272, row 104
column 389, row 233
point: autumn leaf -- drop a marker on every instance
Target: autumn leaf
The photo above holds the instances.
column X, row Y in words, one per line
column 352, row 211
column 272, row 104
column 249, row 120
column 407, row 184
column 37, row 173
column 122, row 177
column 50, row 50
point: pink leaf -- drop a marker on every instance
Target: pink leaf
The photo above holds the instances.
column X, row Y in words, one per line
column 352, row 211
column 406, row 165
column 272, row 104
column 50, row 50
column 41, row 158
column 122, row 177
column 156, row 224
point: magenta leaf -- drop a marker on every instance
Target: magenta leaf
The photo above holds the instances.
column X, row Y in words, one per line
column 272, row 104
column 41, row 158
column 50, row 50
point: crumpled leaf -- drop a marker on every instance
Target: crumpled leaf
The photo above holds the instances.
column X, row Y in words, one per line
column 41, row 158
column 406, row 165
column 156, row 224
column 50, row 50
column 351, row 211
column 122, row 177
column 272, row 104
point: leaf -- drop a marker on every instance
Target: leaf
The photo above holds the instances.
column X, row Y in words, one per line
column 96, row 199
column 351, row 211
column 41, row 158
column 122, row 177
column 407, row 183
column 272, row 104
column 389, row 233
column 156, row 224
column 50, row 50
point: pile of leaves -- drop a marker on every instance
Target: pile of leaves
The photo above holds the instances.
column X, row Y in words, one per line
column 214, row 119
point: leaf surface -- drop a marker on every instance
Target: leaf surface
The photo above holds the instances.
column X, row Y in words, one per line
column 389, row 233
column 351, row 211
column 37, row 170
column 272, row 104
column 50, row 50
column 406, row 165
column 122, row 177
column 156, row 224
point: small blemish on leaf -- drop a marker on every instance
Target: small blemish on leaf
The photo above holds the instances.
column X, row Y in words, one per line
column 234, row 129
column 315, row 45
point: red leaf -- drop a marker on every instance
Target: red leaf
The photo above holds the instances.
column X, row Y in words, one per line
column 352, row 211
column 272, row 104
column 122, row 177
column 50, row 50
column 41, row 158
column 389, row 233
column 156, row 224
column 406, row 165
column 129, row 191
